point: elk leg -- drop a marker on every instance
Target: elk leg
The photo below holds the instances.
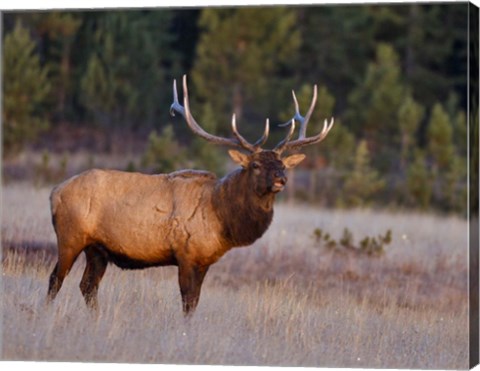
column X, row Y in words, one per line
column 96, row 266
column 190, row 278
column 64, row 263
column 54, row 284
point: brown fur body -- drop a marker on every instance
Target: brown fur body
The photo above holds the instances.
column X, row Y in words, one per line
column 143, row 218
column 187, row 218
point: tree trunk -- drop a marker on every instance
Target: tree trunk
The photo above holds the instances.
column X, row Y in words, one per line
column 64, row 79
column 413, row 16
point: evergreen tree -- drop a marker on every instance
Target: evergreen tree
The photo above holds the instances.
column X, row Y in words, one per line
column 163, row 154
column 459, row 124
column 337, row 42
column 454, row 190
column 437, row 51
column 440, row 139
column 339, row 151
column 448, row 169
column 375, row 104
column 339, row 147
column 239, row 54
column 363, row 182
column 410, row 115
column 419, row 182
column 456, row 178
column 125, row 70
column 25, row 90
column 58, row 30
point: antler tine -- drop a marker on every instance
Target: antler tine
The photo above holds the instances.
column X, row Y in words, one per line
column 280, row 147
column 302, row 139
column 194, row 126
column 239, row 141
column 264, row 137
column 303, row 120
column 303, row 127
column 243, row 142
column 311, row 140
column 297, row 116
column 197, row 129
column 176, row 105
column 251, row 147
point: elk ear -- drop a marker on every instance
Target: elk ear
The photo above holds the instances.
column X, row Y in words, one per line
column 293, row 160
column 240, row 158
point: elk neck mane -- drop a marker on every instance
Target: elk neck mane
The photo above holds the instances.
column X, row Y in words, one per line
column 245, row 215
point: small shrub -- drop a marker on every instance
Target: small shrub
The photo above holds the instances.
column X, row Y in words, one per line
column 163, row 154
column 47, row 173
column 375, row 246
column 347, row 239
column 131, row 167
column 370, row 246
column 325, row 238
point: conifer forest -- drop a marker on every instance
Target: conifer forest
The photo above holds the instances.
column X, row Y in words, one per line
column 95, row 89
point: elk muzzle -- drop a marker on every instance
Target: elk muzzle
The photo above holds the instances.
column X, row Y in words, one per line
column 279, row 182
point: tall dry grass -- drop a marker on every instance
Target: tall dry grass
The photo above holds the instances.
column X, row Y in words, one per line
column 283, row 301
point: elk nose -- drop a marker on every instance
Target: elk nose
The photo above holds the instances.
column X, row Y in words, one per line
column 280, row 177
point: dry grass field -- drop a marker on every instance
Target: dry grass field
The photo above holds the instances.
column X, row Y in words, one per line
column 283, row 301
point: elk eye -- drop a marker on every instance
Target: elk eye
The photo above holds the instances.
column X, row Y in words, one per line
column 255, row 165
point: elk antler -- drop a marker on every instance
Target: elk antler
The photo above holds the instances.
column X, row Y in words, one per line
column 238, row 141
column 302, row 140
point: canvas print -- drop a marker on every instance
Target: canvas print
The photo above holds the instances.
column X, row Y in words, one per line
column 250, row 185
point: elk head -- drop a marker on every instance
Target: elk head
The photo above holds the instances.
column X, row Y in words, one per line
column 264, row 168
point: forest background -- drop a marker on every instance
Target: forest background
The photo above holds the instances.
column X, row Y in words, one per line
column 86, row 89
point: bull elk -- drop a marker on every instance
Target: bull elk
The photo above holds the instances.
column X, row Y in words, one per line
column 187, row 218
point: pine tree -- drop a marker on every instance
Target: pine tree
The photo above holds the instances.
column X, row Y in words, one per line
column 454, row 190
column 375, row 104
column 458, row 119
column 339, row 147
column 25, row 87
column 436, row 51
column 448, row 168
column 163, row 154
column 126, row 67
column 440, row 139
column 410, row 115
column 324, row 55
column 419, row 182
column 456, row 177
column 363, row 182
column 98, row 95
column 239, row 53
column 58, row 30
